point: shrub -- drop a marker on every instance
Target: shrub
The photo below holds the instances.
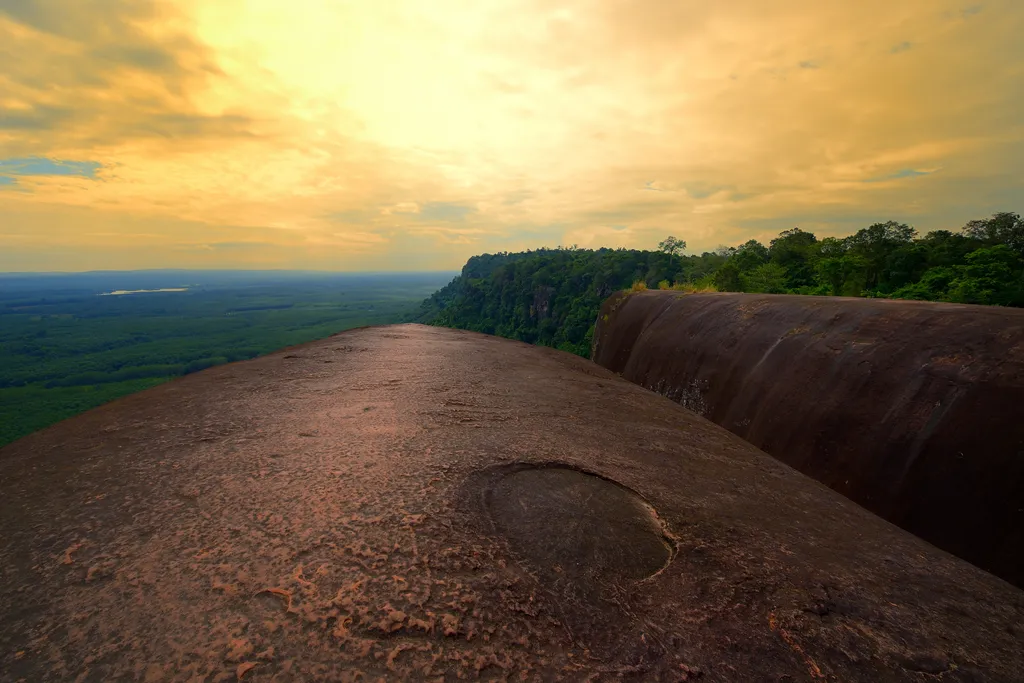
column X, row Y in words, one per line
column 701, row 286
column 639, row 286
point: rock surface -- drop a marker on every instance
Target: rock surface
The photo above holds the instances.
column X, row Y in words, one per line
column 415, row 503
column 913, row 409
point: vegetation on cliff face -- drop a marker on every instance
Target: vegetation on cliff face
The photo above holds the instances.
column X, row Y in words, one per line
column 552, row 296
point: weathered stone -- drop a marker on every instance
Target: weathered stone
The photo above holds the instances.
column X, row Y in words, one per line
column 257, row 522
column 913, row 409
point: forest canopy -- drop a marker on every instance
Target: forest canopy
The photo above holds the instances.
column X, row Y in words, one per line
column 552, row 296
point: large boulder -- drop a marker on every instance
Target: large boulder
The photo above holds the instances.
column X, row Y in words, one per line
column 415, row 503
column 913, row 409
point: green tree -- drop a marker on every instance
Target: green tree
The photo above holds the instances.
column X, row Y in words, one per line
column 796, row 252
column 727, row 278
column 933, row 285
column 875, row 244
column 1002, row 228
column 992, row 275
column 750, row 255
column 842, row 275
column 552, row 296
column 945, row 248
column 672, row 245
column 768, row 278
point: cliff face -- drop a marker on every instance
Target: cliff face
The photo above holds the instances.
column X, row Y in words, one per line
column 914, row 410
column 410, row 503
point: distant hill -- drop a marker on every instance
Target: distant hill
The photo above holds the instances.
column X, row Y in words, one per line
column 552, row 296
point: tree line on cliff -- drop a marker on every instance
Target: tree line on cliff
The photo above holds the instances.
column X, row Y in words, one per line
column 552, row 296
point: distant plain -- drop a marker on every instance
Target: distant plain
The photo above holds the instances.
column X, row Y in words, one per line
column 66, row 348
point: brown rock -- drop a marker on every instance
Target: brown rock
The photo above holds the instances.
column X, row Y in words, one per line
column 743, row 570
column 913, row 409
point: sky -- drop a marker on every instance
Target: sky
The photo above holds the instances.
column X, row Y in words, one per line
column 412, row 134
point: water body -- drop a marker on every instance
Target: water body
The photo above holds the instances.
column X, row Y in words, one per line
column 119, row 292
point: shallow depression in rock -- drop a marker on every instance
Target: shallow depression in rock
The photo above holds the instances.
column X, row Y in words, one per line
column 578, row 526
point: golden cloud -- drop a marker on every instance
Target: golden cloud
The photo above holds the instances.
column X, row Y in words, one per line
column 413, row 133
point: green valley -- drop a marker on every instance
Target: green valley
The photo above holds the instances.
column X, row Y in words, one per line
column 70, row 342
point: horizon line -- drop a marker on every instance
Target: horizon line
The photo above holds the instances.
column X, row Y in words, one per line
column 224, row 270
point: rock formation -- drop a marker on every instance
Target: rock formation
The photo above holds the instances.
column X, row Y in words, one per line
column 416, row 503
column 913, row 409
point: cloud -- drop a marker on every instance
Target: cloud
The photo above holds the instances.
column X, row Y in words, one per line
column 414, row 133
column 354, row 217
column 100, row 74
column 401, row 208
column 143, row 57
column 33, row 117
column 445, row 212
column 514, row 198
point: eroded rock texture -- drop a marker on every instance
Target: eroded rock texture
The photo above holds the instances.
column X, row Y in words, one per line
column 414, row 503
column 913, row 409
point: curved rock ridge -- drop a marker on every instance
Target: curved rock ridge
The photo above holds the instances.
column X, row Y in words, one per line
column 913, row 409
column 416, row 503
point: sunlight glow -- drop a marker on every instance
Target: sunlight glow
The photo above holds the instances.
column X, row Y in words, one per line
column 319, row 133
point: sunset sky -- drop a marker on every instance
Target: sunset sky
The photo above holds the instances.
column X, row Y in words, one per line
column 412, row 134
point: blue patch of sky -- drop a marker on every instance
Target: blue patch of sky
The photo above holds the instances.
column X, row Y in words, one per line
column 702, row 191
column 903, row 173
column 40, row 166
